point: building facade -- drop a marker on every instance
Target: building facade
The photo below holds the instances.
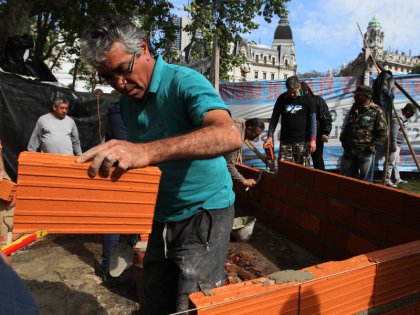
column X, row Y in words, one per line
column 261, row 62
column 264, row 62
column 397, row 62
column 183, row 39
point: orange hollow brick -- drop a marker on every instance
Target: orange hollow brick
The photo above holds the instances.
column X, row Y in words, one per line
column 7, row 189
column 56, row 193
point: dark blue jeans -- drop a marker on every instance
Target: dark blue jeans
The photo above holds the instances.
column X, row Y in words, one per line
column 358, row 165
column 109, row 241
column 185, row 257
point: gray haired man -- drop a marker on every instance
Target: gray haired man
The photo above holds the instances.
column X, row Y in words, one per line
column 177, row 121
column 56, row 132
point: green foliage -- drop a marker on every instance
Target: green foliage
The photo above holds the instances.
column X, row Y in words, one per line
column 56, row 25
column 416, row 68
column 228, row 19
column 85, row 72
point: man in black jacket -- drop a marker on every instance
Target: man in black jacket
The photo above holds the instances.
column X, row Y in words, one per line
column 323, row 125
column 298, row 124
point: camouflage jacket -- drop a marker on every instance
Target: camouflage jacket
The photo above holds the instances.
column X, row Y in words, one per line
column 365, row 129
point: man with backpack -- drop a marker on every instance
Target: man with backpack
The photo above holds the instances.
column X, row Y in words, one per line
column 323, row 125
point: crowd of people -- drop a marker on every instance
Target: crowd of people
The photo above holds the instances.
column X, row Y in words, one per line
column 171, row 116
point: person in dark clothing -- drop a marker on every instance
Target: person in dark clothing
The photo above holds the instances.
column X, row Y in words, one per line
column 323, row 126
column 15, row 298
column 115, row 129
column 298, row 124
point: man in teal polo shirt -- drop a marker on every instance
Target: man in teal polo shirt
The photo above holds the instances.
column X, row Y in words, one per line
column 177, row 121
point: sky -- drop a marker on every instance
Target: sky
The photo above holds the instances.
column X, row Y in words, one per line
column 326, row 34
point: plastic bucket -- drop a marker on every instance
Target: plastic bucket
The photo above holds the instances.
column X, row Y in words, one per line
column 243, row 227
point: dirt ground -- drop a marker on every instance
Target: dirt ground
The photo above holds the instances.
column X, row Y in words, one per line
column 63, row 271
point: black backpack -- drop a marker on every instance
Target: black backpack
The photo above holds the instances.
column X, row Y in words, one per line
column 383, row 90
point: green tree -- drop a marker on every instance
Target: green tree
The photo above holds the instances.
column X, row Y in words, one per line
column 56, row 25
column 416, row 68
column 84, row 72
column 220, row 22
column 312, row 74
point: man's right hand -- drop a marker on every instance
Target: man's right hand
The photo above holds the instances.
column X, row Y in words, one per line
column 269, row 140
column 121, row 154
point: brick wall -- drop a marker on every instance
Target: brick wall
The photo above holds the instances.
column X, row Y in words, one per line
column 380, row 282
column 334, row 217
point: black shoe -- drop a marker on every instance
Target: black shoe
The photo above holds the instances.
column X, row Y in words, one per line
column 109, row 280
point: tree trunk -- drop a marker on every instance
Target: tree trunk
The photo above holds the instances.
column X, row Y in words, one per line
column 215, row 64
column 76, row 69
column 215, row 58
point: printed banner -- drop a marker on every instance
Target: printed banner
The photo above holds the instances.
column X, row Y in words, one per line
column 257, row 98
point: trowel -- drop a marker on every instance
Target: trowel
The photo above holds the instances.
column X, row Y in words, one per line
column 257, row 180
column 121, row 257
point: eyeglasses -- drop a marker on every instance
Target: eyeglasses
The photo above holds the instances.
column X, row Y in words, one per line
column 113, row 78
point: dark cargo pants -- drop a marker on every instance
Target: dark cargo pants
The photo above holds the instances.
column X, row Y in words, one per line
column 185, row 257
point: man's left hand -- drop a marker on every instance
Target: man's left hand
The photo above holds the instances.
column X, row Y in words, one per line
column 324, row 138
column 312, row 146
column 250, row 183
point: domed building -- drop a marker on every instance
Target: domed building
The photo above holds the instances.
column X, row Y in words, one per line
column 264, row 62
column 395, row 61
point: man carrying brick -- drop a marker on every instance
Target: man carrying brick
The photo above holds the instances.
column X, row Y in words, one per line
column 177, row 121
column 298, row 124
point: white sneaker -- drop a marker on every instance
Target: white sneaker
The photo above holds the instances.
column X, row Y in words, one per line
column 121, row 258
column 390, row 184
column 401, row 182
